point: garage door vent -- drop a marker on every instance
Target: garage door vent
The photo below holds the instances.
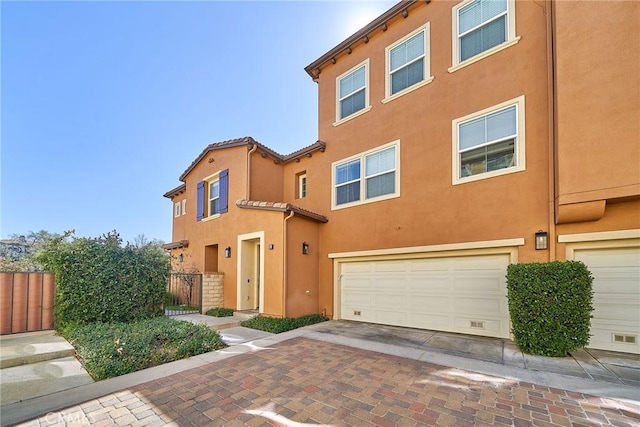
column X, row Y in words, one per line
column 629, row 339
column 477, row 324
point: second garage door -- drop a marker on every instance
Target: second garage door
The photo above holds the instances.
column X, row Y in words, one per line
column 464, row 294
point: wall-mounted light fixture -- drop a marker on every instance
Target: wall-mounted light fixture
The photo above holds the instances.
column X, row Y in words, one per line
column 227, row 252
column 541, row 240
column 305, row 248
column 180, row 258
column 271, row 246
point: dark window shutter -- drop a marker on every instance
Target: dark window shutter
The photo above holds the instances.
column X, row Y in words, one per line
column 224, row 191
column 200, row 201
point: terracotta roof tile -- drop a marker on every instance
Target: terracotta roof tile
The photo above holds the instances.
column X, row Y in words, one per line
column 281, row 207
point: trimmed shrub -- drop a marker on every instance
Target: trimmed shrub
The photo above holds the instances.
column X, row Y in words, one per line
column 111, row 349
column 220, row 312
column 277, row 325
column 100, row 280
column 550, row 306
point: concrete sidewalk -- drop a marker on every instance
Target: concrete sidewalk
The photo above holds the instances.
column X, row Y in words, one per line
column 470, row 357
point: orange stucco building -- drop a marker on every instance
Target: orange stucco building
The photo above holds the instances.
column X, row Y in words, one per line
column 451, row 137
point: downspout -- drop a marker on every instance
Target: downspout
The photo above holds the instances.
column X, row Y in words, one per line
column 552, row 135
column 251, row 151
column 284, row 263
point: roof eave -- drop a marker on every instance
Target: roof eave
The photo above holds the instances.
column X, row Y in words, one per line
column 314, row 68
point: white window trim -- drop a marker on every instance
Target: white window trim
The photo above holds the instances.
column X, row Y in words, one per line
column 519, row 147
column 176, row 210
column 184, row 206
column 455, row 47
column 428, row 78
column 367, row 102
column 302, row 194
column 362, row 157
column 208, row 180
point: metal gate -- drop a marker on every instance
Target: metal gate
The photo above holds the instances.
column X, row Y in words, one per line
column 184, row 294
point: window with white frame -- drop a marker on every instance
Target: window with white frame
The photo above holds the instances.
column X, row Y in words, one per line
column 368, row 177
column 302, row 185
column 184, row 206
column 353, row 91
column 176, row 212
column 490, row 142
column 408, row 62
column 213, row 195
column 482, row 26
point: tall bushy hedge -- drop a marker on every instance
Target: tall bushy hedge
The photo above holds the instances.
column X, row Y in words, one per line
column 102, row 280
column 550, row 306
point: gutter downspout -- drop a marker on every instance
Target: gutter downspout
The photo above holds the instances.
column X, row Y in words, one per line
column 284, row 263
column 552, row 134
column 251, row 151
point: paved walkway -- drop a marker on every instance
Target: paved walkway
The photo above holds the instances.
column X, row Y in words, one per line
column 310, row 376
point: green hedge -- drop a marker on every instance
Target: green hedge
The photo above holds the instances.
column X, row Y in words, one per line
column 111, row 349
column 100, row 280
column 277, row 325
column 550, row 306
column 219, row 312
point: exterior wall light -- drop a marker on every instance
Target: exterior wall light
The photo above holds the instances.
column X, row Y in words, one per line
column 180, row 258
column 227, row 252
column 541, row 240
column 305, row 248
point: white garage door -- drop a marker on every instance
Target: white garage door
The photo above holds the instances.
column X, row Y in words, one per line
column 465, row 294
column 616, row 297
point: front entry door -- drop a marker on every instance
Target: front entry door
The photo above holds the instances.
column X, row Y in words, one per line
column 249, row 283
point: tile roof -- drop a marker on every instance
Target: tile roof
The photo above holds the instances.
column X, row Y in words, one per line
column 175, row 191
column 250, row 142
column 280, row 207
column 176, row 245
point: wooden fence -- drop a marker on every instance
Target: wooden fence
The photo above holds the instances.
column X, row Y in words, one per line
column 26, row 302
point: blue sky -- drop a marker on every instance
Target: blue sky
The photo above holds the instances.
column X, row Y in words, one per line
column 104, row 104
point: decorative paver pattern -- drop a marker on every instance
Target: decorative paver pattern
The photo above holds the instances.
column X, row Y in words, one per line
column 314, row 382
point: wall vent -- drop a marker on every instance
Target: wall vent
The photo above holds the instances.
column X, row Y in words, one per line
column 627, row 339
column 356, row 312
column 477, row 324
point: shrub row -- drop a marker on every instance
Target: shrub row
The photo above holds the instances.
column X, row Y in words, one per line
column 219, row 312
column 110, row 349
column 550, row 306
column 100, row 280
column 277, row 325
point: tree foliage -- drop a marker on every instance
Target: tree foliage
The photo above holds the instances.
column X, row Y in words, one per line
column 102, row 280
column 19, row 252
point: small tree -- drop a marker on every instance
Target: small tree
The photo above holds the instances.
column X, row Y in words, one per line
column 101, row 280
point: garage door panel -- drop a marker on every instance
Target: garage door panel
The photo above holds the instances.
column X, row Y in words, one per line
column 432, row 264
column 390, row 300
column 429, row 285
column 616, row 297
column 434, row 293
column 383, row 267
column 358, row 299
column 490, row 307
column 478, row 285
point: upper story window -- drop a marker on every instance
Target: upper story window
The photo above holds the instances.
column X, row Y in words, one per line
column 176, row 211
column 408, row 65
column 353, row 92
column 302, row 185
column 482, row 27
column 490, row 142
column 213, row 195
column 367, row 177
column 184, row 206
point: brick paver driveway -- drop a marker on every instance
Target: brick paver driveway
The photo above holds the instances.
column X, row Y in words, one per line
column 313, row 382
